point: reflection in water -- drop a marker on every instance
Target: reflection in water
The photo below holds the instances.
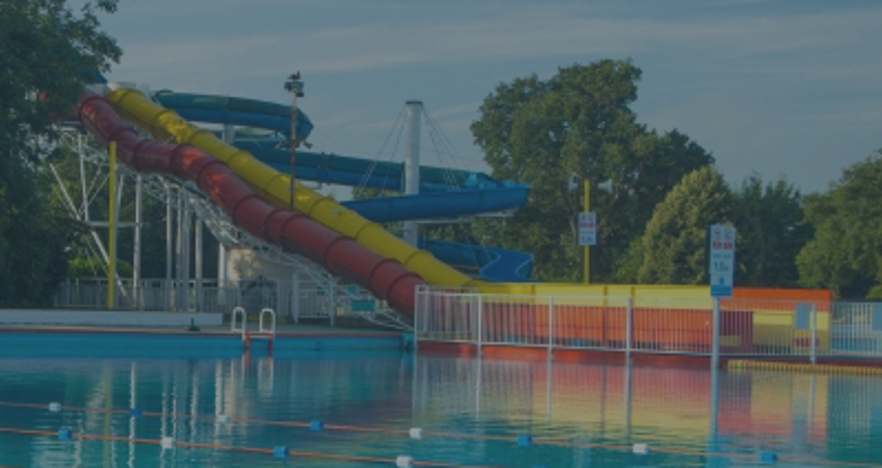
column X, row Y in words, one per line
column 689, row 409
column 587, row 409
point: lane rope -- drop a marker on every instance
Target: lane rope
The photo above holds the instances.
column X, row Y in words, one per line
column 559, row 442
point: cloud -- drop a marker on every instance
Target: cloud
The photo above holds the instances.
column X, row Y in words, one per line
column 783, row 73
column 490, row 33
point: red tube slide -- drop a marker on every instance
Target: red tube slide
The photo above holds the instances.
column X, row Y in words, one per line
column 385, row 278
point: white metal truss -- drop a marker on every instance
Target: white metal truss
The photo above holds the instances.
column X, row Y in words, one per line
column 159, row 187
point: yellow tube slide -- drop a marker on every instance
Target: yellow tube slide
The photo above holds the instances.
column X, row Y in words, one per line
column 274, row 187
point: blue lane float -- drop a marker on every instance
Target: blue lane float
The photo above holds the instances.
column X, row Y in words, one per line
column 768, row 458
column 316, row 426
column 65, row 434
column 281, row 451
column 136, row 412
column 524, row 440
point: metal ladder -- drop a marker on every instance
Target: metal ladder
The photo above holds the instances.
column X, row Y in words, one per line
column 267, row 332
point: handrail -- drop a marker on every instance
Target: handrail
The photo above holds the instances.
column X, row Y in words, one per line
column 236, row 311
column 272, row 314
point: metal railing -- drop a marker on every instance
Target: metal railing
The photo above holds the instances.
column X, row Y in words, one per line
column 651, row 325
column 294, row 300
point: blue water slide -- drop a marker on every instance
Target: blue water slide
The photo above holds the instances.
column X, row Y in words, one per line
column 494, row 264
column 445, row 192
column 440, row 204
column 332, row 168
column 235, row 111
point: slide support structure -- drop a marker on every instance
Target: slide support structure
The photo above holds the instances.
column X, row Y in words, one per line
column 412, row 164
column 111, row 264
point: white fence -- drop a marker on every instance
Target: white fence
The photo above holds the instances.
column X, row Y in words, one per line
column 294, row 300
column 656, row 325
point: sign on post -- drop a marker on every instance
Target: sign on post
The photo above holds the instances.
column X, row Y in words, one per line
column 587, row 229
column 721, row 260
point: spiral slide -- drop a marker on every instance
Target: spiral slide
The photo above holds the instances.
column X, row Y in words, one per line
column 340, row 255
column 444, row 192
column 318, row 167
column 274, row 187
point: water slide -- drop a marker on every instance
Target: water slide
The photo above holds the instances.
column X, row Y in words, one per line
column 318, row 167
column 385, row 278
column 492, row 263
column 274, row 188
column 464, row 192
column 246, row 112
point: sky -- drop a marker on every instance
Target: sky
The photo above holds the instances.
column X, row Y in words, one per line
column 780, row 88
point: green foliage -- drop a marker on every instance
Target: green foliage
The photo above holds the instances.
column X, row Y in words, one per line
column 47, row 53
column 579, row 123
column 153, row 227
column 875, row 292
column 771, row 232
column 675, row 242
column 33, row 237
column 95, row 268
column 845, row 252
column 768, row 219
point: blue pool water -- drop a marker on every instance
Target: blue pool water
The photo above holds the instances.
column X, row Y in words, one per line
column 577, row 415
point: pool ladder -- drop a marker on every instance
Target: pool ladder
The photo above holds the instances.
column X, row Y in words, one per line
column 263, row 332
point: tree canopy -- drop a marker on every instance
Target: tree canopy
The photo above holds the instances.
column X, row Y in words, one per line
column 674, row 245
column 579, row 123
column 771, row 232
column 846, row 252
column 47, row 54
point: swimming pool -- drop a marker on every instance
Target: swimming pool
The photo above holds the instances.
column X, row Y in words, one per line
column 472, row 412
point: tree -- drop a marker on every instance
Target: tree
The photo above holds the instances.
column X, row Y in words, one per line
column 47, row 53
column 675, row 243
column 845, row 252
column 578, row 123
column 771, row 232
column 85, row 260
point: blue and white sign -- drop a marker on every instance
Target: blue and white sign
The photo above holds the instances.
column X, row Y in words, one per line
column 587, row 229
column 721, row 260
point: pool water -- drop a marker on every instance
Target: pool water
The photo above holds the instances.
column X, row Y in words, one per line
column 472, row 412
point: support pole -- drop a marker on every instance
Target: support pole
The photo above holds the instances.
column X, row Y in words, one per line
column 186, row 242
column 83, row 184
column 295, row 293
column 412, row 164
column 294, row 86
column 480, row 327
column 111, row 267
column 586, row 250
column 714, row 429
column 229, row 137
column 198, row 260
column 136, row 247
column 179, row 252
column 715, row 336
column 293, row 145
column 169, row 245
column 221, row 273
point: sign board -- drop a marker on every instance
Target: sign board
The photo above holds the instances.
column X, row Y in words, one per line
column 363, row 306
column 587, row 229
column 721, row 260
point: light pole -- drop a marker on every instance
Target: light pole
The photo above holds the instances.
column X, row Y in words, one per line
column 295, row 87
